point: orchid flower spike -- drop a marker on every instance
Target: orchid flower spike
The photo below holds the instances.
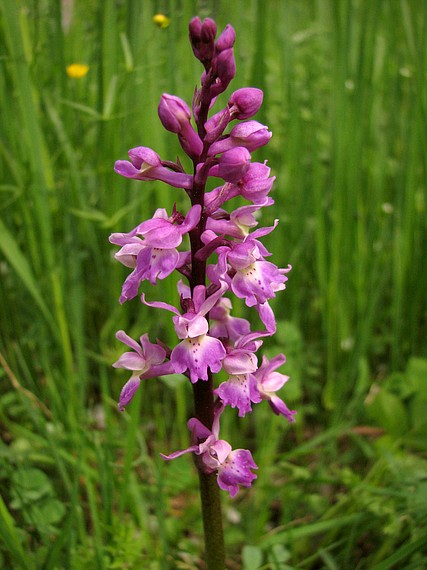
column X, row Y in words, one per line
column 216, row 248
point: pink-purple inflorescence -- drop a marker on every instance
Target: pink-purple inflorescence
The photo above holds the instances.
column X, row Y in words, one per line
column 226, row 257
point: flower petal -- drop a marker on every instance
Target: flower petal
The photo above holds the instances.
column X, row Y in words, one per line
column 159, row 305
column 126, row 339
column 280, row 408
column 235, row 392
column 128, row 392
column 220, row 450
column 153, row 352
column 236, row 470
column 131, row 361
column 176, row 454
column 197, row 355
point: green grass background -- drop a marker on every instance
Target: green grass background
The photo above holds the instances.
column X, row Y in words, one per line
column 83, row 486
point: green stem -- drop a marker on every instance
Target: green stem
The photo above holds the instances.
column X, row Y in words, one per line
column 203, row 390
column 209, row 490
column 204, row 412
column 212, row 521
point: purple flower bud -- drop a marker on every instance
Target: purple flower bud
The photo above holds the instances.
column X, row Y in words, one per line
column 216, row 125
column 245, row 102
column 225, row 70
column 195, row 29
column 232, row 165
column 208, row 30
column 257, row 183
column 174, row 113
column 251, row 135
column 143, row 157
column 146, row 165
column 175, row 116
column 202, row 38
column 226, row 39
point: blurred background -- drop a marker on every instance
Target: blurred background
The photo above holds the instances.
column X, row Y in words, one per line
column 83, row 486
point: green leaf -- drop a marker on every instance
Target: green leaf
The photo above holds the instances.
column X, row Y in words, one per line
column 252, row 557
column 416, row 377
column 28, row 486
column 416, row 373
column 389, row 412
column 45, row 515
column 311, row 529
column 10, row 537
column 402, row 553
column 18, row 261
column 278, row 556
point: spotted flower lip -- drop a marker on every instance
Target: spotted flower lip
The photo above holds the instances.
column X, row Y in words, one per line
column 255, row 279
column 238, row 392
column 198, row 355
column 258, row 282
column 197, row 352
column 233, row 468
column 240, row 389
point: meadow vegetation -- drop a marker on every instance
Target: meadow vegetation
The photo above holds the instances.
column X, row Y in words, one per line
column 82, row 485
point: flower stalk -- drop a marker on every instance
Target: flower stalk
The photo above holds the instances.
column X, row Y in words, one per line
column 225, row 258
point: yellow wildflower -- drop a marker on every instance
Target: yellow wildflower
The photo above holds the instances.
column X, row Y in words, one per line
column 77, row 70
column 161, row 20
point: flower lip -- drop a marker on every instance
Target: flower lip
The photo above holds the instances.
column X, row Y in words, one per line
column 233, row 468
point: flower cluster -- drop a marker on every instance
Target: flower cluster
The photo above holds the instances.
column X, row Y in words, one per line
column 226, row 257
